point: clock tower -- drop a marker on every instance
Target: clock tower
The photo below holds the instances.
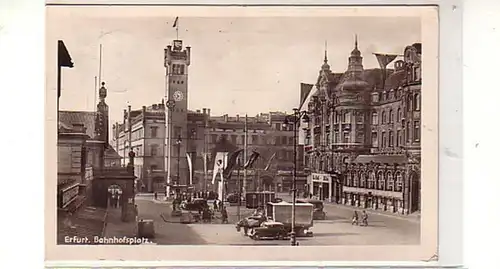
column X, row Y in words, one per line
column 177, row 60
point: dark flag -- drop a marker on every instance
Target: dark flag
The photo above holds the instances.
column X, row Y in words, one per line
column 269, row 162
column 385, row 59
column 252, row 159
column 63, row 60
column 175, row 22
column 231, row 163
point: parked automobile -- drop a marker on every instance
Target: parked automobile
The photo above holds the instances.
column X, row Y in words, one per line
column 269, row 230
column 197, row 204
column 233, row 199
column 318, row 211
column 250, row 222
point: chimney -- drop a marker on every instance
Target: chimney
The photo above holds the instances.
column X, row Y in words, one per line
column 204, row 111
column 226, row 118
column 198, row 111
column 237, row 117
column 155, row 106
column 208, row 112
column 124, row 114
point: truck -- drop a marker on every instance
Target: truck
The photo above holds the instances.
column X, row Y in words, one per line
column 282, row 212
column 255, row 200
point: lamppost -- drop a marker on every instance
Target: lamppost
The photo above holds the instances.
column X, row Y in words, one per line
column 170, row 105
column 178, row 143
column 294, row 120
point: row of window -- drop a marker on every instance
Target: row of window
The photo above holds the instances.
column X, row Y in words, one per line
column 361, row 180
column 255, row 140
column 178, row 69
column 387, row 139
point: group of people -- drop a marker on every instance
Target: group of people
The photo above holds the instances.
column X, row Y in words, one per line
column 364, row 218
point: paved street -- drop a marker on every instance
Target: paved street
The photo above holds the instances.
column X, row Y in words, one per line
column 335, row 230
column 167, row 233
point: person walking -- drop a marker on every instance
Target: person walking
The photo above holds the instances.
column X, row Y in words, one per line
column 215, row 204
column 224, row 215
column 364, row 218
column 355, row 218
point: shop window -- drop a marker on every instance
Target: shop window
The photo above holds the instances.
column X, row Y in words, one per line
column 399, row 182
column 362, row 182
column 371, row 181
column 380, row 181
column 390, row 182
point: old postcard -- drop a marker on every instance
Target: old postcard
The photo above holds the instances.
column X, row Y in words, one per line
column 241, row 133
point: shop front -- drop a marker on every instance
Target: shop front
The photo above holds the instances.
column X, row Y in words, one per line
column 390, row 201
column 320, row 186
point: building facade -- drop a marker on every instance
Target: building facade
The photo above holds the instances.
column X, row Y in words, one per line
column 206, row 135
column 143, row 132
column 362, row 143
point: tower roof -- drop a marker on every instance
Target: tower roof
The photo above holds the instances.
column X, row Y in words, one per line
column 355, row 52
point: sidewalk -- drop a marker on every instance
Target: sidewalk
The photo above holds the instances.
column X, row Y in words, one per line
column 411, row 217
column 415, row 217
column 115, row 227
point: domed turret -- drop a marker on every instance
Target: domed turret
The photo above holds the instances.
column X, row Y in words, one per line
column 355, row 52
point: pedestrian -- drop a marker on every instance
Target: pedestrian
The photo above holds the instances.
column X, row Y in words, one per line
column 156, row 196
column 355, row 218
column 364, row 218
column 310, row 195
column 215, row 204
column 224, row 215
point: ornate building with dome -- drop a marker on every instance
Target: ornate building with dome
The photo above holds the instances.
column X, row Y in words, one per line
column 362, row 143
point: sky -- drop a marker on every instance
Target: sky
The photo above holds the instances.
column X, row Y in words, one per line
column 238, row 64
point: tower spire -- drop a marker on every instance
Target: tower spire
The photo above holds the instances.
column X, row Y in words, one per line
column 356, row 41
column 326, row 52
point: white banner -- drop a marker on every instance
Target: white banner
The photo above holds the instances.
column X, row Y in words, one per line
column 220, row 164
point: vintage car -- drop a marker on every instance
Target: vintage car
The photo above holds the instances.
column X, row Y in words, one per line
column 197, row 204
column 318, row 211
column 233, row 199
column 250, row 222
column 269, row 230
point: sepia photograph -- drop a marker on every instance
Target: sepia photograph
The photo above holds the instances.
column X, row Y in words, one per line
column 242, row 127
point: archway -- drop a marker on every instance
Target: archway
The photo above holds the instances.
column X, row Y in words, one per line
column 114, row 196
column 414, row 192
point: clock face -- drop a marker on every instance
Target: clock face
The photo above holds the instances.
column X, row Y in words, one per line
column 178, row 96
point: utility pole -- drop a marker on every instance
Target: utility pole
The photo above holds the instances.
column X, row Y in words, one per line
column 245, row 153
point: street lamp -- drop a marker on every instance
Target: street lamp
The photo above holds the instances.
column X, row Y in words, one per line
column 294, row 120
column 170, row 105
column 178, row 143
